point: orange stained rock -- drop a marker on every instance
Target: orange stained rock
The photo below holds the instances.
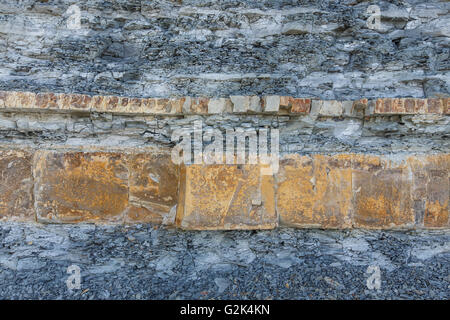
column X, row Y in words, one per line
column 226, row 197
column 315, row 191
column 153, row 183
column 431, row 189
column 78, row 186
column 16, row 185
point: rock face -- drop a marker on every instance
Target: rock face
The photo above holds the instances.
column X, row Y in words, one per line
column 168, row 48
column 364, row 191
column 226, row 197
column 75, row 186
column 104, row 186
column 16, row 196
column 366, row 163
column 382, row 193
column 153, row 186
column 315, row 191
column 95, row 94
column 144, row 262
column 116, row 116
column 141, row 186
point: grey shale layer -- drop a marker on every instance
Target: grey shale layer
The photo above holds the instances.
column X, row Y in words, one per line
column 321, row 49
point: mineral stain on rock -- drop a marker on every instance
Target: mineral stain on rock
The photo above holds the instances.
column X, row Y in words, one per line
column 16, row 185
column 77, row 186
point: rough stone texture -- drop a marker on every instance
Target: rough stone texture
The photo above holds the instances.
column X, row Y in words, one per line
column 271, row 103
column 226, row 197
column 131, row 186
column 153, row 183
column 137, row 185
column 382, row 193
column 246, row 104
column 303, row 134
column 330, row 108
column 146, row 262
column 137, row 71
column 76, row 186
column 315, row 191
column 195, row 105
column 282, row 105
column 19, row 101
column 364, row 191
column 221, row 105
column 431, row 194
column 16, row 185
column 410, row 106
column 295, row 105
column 168, row 48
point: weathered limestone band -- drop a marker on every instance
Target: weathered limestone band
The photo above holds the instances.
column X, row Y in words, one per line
column 29, row 101
column 144, row 186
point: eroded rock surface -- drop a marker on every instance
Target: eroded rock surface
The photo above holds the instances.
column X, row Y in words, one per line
column 146, row 262
column 218, row 48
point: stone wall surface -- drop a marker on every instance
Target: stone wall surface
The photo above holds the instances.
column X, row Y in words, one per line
column 93, row 92
column 273, row 104
column 367, row 163
column 139, row 48
column 137, row 185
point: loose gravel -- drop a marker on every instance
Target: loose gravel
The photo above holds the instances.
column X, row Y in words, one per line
column 150, row 262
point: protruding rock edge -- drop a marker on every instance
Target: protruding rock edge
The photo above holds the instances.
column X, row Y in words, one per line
column 414, row 168
column 270, row 104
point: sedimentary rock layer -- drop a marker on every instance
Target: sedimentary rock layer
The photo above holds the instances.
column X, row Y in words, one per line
column 137, row 185
column 324, row 49
column 366, row 163
column 279, row 105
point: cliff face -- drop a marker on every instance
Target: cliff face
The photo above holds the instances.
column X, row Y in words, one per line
column 340, row 110
column 321, row 49
column 95, row 97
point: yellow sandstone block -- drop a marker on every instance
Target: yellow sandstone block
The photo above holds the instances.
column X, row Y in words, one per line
column 431, row 192
column 16, row 185
column 153, row 185
column 80, row 186
column 315, row 191
column 382, row 193
column 226, row 197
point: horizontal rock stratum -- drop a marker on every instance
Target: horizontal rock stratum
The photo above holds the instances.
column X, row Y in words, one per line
column 368, row 163
column 132, row 185
column 30, row 101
